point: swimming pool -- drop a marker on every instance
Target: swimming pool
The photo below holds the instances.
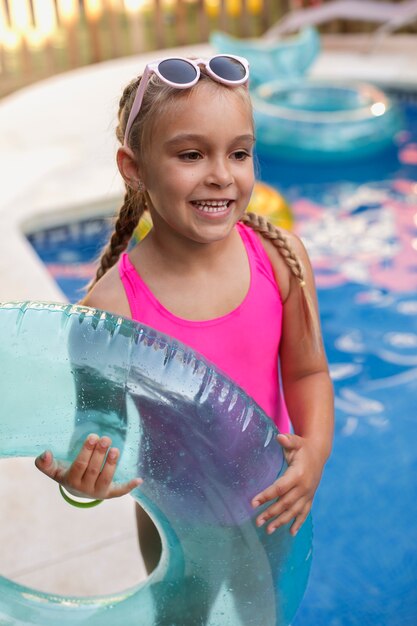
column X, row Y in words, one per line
column 359, row 222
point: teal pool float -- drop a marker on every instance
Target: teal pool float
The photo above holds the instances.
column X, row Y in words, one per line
column 201, row 444
column 271, row 59
column 318, row 120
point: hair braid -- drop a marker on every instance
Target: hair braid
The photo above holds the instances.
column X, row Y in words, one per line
column 261, row 225
column 128, row 218
column 274, row 234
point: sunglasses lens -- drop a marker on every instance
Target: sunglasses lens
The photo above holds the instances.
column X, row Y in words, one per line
column 228, row 68
column 177, row 71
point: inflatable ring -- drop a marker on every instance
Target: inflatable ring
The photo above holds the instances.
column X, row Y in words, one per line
column 202, row 446
column 318, row 120
column 265, row 201
column 274, row 57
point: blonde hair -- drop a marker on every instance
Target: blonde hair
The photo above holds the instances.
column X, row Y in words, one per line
column 157, row 98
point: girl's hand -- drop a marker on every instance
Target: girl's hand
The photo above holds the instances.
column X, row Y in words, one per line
column 87, row 476
column 295, row 489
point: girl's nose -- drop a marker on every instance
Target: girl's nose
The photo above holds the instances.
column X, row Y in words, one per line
column 219, row 174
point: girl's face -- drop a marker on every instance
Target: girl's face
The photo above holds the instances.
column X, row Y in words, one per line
column 199, row 171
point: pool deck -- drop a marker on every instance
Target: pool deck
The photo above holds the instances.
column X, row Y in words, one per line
column 58, row 162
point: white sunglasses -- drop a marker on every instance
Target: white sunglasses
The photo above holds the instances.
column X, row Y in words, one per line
column 184, row 73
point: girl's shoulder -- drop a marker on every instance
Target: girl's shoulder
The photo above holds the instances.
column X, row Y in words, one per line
column 108, row 294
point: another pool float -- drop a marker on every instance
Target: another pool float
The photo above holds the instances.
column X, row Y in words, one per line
column 201, row 444
column 283, row 58
column 318, row 120
column 265, row 201
column 268, row 202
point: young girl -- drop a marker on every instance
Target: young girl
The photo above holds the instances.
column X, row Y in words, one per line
column 227, row 283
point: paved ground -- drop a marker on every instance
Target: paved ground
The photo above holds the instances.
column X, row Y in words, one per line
column 57, row 161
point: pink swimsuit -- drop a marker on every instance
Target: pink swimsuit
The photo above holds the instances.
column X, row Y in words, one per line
column 243, row 344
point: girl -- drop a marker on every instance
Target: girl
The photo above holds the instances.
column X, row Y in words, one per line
column 229, row 284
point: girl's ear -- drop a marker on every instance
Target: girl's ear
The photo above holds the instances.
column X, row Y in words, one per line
column 128, row 167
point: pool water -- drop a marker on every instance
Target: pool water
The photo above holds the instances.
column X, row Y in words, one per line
column 359, row 222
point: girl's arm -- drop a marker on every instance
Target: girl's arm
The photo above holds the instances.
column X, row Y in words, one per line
column 308, row 395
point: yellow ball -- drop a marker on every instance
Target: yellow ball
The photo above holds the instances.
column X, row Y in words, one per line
column 143, row 228
column 268, row 202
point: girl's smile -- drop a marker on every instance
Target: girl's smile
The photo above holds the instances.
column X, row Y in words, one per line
column 213, row 209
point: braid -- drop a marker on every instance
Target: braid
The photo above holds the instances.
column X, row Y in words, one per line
column 274, row 234
column 128, row 218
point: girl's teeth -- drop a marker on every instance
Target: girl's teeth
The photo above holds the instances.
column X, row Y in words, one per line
column 212, row 206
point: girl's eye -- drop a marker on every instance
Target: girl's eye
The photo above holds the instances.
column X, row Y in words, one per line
column 241, row 155
column 192, row 155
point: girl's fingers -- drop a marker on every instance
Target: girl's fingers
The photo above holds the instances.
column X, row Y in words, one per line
column 97, row 460
column 105, row 477
column 104, row 482
column 277, row 490
column 299, row 521
column 276, row 509
column 121, row 490
column 282, row 520
column 80, row 464
column 297, row 514
column 290, row 442
column 46, row 463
